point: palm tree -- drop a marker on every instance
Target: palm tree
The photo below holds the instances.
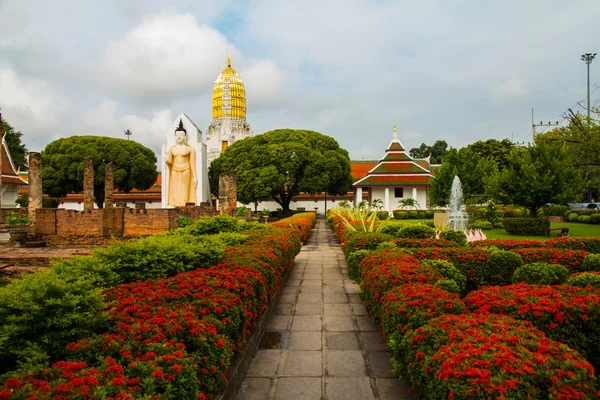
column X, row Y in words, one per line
column 409, row 203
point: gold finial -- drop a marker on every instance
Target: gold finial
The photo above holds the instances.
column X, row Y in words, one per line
column 394, row 126
column 229, row 61
column 19, row 170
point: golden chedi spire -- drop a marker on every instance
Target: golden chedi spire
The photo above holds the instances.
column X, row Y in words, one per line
column 229, row 95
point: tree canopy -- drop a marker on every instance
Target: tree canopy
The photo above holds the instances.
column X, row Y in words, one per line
column 18, row 151
column 134, row 165
column 283, row 163
column 437, row 152
column 536, row 175
column 496, row 150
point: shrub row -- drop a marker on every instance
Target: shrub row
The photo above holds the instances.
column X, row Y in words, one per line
column 171, row 337
column 526, row 226
column 412, row 214
column 589, row 244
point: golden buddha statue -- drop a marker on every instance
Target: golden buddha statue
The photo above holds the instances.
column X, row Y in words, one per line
column 181, row 162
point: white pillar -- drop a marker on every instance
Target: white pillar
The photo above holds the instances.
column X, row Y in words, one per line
column 414, row 196
column 358, row 197
column 386, row 199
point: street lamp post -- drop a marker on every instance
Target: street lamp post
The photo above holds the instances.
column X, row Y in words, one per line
column 128, row 133
column 587, row 58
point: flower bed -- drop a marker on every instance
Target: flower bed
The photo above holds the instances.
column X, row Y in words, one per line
column 572, row 259
column 565, row 313
column 589, row 244
column 424, row 243
column 507, row 244
column 492, row 356
column 173, row 337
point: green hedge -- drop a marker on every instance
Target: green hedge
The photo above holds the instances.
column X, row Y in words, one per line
column 541, row 273
column 526, row 226
column 364, row 241
column 412, row 214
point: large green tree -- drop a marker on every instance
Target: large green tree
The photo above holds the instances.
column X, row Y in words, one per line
column 536, row 175
column 283, row 163
column 469, row 166
column 437, row 151
column 496, row 150
column 18, row 151
column 134, row 165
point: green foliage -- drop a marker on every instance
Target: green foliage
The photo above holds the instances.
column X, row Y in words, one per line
column 483, row 225
column 364, row 241
column 595, row 219
column 241, row 212
column 537, row 175
column 573, row 217
column 183, row 221
column 492, row 149
column 449, row 271
column 18, row 151
column 282, row 163
column 134, row 165
column 231, row 238
column 353, row 260
column 413, row 214
column 437, row 151
column 541, row 273
column 43, row 312
column 408, row 203
column 400, row 215
column 448, row 285
column 213, row 225
column 387, row 245
column 526, row 226
column 455, row 236
column 499, row 268
column 160, row 256
column 392, row 229
column 591, row 263
column 419, row 231
column 23, row 201
column 584, row 279
column 584, row 219
column 555, row 211
column 13, row 219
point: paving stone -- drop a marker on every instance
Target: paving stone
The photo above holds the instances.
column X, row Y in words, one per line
column 303, row 363
column 366, row 324
column 348, row 389
column 380, row 364
column 345, row 363
column 334, row 283
column 393, row 389
column 305, row 340
column 309, row 298
column 284, row 309
column 358, row 309
column 338, row 323
column 264, row 364
column 254, row 389
column 298, row 389
column 354, row 298
column 334, row 290
column 337, row 309
column 342, row 341
column 306, row 323
column 335, row 298
column 316, row 282
column 309, row 309
column 290, row 290
column 372, row 341
column 311, row 290
column 332, row 276
column 313, row 276
column 279, row 322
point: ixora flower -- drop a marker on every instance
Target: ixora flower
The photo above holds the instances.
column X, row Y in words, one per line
column 494, row 357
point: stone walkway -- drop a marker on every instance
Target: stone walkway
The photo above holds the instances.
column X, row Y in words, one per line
column 329, row 348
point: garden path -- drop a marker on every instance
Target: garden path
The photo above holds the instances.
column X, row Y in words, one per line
column 331, row 348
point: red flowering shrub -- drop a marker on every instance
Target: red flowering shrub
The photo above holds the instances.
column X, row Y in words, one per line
column 468, row 261
column 572, row 259
column 507, row 244
column 589, row 244
column 384, row 269
column 363, row 241
column 565, row 313
column 421, row 243
column 491, row 357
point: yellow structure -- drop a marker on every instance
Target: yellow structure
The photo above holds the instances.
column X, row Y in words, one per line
column 228, row 113
column 229, row 95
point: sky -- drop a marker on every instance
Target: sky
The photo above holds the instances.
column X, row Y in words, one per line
column 451, row 70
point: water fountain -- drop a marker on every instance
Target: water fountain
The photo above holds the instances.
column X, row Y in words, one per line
column 457, row 217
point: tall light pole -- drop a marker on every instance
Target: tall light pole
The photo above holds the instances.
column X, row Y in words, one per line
column 128, row 133
column 587, row 58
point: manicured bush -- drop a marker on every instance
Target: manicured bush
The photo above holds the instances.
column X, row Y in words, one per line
column 391, row 229
column 507, row 244
column 364, row 241
column 526, row 226
column 555, row 211
column 213, row 225
column 499, row 268
column 573, row 217
column 419, row 231
column 42, row 312
column 572, row 259
column 565, row 313
column 413, row 214
column 383, row 215
column 541, row 273
column 160, row 256
column 449, row 271
column 412, row 305
column 483, row 225
column 595, row 219
column 421, row 243
column 591, row 263
column 584, row 219
column 583, row 279
column 386, row 245
column 490, row 357
column 421, row 214
column 353, row 260
column 456, row 236
column 448, row 285
column 400, row 214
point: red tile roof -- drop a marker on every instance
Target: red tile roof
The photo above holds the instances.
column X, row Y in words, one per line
column 359, row 170
column 394, row 180
column 9, row 172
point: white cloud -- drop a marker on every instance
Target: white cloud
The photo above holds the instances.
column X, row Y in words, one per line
column 511, row 90
column 31, row 105
column 264, row 81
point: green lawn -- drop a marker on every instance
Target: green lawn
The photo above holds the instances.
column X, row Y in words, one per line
column 575, row 229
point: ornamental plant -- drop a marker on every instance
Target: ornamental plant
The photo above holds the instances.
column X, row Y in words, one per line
column 565, row 313
column 584, row 279
column 589, row 244
column 572, row 259
column 420, row 243
column 499, row 268
column 449, row 271
column 591, row 263
column 448, row 285
column 458, row 237
column 353, row 261
column 492, row 357
column 419, row 231
column 507, row 244
column 541, row 273
column 364, row 241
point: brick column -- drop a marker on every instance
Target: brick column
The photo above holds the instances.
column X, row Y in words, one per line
column 88, row 185
column 35, row 184
column 227, row 193
column 109, row 186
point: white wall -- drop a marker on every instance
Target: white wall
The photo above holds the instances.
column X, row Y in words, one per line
column 10, row 195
